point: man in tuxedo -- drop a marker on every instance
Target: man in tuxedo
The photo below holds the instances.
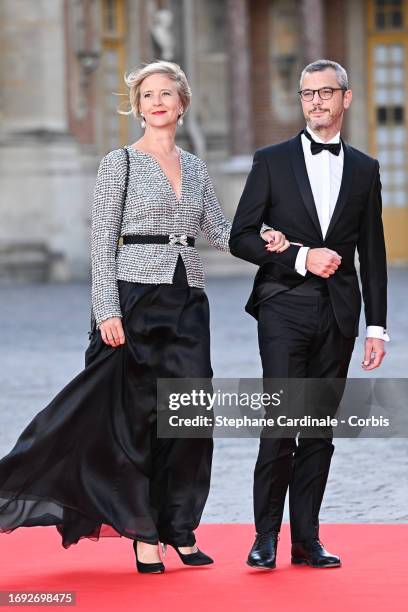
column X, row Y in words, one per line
column 325, row 195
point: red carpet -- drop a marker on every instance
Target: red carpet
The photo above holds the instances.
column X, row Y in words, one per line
column 374, row 575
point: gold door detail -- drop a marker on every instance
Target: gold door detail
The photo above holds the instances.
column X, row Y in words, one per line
column 114, row 125
column 388, row 127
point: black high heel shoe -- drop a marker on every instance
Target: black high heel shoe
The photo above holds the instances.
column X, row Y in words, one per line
column 195, row 558
column 147, row 568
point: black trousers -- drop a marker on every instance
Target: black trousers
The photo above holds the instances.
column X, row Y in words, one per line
column 298, row 338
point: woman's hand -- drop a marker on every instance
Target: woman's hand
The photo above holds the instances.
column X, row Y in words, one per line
column 276, row 241
column 112, row 331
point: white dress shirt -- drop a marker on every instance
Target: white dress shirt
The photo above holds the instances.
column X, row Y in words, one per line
column 325, row 172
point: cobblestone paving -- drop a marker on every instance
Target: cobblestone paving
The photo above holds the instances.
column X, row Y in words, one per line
column 44, row 339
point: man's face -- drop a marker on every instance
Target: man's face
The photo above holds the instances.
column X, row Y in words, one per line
column 324, row 113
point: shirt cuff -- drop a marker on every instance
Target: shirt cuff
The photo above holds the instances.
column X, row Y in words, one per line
column 376, row 331
column 300, row 263
column 265, row 228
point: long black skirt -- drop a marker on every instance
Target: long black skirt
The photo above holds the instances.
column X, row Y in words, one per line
column 90, row 462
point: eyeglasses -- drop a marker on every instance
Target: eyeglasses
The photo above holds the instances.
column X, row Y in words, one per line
column 325, row 93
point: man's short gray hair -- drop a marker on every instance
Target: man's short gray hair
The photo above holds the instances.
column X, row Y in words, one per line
column 323, row 64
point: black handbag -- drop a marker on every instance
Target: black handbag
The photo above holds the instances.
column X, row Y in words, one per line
column 93, row 320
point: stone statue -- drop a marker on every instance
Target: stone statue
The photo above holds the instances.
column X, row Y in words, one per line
column 160, row 26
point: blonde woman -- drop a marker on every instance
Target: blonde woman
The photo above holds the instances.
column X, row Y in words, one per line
column 91, row 462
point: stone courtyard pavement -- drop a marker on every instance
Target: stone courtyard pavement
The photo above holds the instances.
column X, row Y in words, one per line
column 44, row 338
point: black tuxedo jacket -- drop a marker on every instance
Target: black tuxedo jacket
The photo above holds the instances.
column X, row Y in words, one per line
column 278, row 193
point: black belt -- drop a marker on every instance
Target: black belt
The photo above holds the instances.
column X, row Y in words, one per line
column 172, row 239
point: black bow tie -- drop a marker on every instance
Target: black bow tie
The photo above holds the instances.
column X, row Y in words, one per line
column 317, row 147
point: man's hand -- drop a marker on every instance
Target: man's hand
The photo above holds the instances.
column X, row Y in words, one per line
column 374, row 353
column 276, row 241
column 322, row 262
column 112, row 331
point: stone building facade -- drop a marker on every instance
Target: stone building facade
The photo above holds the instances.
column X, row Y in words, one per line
column 61, row 71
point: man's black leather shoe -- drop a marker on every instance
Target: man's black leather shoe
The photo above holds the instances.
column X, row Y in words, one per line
column 312, row 553
column 263, row 553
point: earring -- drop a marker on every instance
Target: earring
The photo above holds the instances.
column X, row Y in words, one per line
column 143, row 122
column 180, row 120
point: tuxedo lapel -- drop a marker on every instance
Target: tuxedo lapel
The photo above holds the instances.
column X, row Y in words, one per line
column 344, row 187
column 300, row 171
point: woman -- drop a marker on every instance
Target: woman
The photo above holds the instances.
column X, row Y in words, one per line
column 91, row 462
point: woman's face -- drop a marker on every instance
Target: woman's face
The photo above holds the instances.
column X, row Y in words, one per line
column 160, row 102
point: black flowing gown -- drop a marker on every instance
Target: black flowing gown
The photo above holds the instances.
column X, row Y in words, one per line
column 90, row 462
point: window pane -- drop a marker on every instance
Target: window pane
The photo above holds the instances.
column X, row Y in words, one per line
column 398, row 157
column 398, row 178
column 397, row 75
column 398, row 135
column 380, row 54
column 380, row 21
column 384, row 157
column 382, row 136
column 399, row 199
column 381, row 115
column 398, row 114
column 380, row 75
column 396, row 96
column 396, row 54
column 110, row 15
column 381, row 96
column 396, row 20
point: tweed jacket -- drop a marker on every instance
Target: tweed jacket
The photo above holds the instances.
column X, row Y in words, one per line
column 151, row 207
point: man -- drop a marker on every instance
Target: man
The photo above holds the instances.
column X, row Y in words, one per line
column 323, row 194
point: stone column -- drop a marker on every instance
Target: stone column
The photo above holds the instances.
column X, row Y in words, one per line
column 356, row 66
column 192, row 126
column 240, row 107
column 312, row 17
column 230, row 176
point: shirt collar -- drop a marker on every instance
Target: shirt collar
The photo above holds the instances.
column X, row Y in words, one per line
column 335, row 138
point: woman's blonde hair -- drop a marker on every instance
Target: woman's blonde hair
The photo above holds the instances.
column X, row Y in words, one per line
column 135, row 79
